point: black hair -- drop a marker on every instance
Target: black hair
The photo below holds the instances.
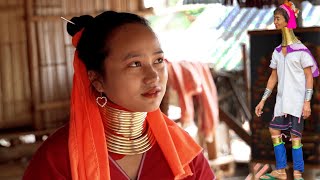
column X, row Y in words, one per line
column 93, row 46
column 282, row 12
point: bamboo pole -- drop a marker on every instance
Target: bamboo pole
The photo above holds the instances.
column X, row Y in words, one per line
column 91, row 7
column 133, row 6
column 107, row 5
column 6, row 79
column 55, row 43
column 64, row 59
column 14, row 65
column 20, row 98
column 3, row 43
column 33, row 64
column 63, row 8
column 15, row 81
column 45, row 70
column 26, row 76
column 114, row 5
column 7, row 72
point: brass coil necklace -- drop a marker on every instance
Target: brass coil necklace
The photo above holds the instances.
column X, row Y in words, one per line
column 127, row 133
column 288, row 37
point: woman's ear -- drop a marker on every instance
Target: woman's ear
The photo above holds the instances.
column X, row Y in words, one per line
column 96, row 80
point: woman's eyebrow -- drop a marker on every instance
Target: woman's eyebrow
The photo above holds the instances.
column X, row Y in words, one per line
column 134, row 55
column 158, row 52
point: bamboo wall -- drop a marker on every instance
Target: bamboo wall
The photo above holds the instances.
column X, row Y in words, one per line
column 36, row 58
column 15, row 94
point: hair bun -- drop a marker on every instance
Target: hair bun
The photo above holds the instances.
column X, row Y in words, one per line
column 79, row 23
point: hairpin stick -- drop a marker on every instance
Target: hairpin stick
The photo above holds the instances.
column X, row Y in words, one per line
column 68, row 20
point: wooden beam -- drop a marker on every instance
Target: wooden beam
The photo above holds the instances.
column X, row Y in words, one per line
column 225, row 95
column 221, row 161
column 145, row 12
column 235, row 125
column 240, row 100
column 52, row 105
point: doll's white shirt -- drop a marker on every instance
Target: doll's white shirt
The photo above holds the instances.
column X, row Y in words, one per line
column 291, row 81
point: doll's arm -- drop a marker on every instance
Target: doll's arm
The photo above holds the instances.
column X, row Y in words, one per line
column 309, row 77
column 273, row 79
column 309, row 90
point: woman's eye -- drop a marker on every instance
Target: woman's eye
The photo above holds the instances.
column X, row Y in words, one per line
column 135, row 64
column 160, row 60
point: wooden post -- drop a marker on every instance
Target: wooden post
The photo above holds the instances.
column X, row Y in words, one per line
column 246, row 74
column 32, row 64
column 212, row 148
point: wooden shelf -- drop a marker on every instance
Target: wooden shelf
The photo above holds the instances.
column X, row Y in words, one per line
column 221, row 161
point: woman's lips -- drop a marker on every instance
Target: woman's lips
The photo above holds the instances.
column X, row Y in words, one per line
column 153, row 92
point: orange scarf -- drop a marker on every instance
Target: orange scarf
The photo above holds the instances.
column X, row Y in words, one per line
column 87, row 143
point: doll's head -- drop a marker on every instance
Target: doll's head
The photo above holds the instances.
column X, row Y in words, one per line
column 285, row 16
column 281, row 18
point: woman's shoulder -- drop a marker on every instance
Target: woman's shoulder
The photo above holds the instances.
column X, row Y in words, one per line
column 52, row 157
column 57, row 142
column 201, row 168
column 59, row 137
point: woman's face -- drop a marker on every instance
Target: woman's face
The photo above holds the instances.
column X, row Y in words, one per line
column 135, row 72
column 279, row 21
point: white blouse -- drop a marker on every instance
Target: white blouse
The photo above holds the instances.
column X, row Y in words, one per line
column 291, row 79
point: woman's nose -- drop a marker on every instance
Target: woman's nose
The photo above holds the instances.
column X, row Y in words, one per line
column 151, row 75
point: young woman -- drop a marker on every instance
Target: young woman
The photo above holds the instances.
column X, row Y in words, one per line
column 116, row 130
column 293, row 68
